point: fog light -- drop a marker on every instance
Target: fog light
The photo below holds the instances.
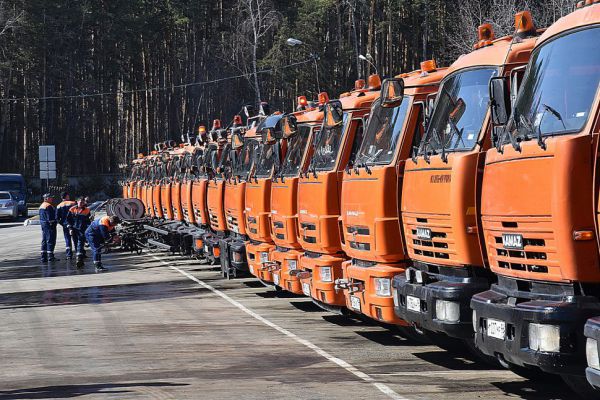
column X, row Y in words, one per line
column 383, row 287
column 475, row 322
column 396, row 299
column 292, row 265
column 264, row 257
column 591, row 353
column 447, row 310
column 544, row 337
column 325, row 273
column 418, row 276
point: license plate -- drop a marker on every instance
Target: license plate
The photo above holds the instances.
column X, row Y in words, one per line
column 355, row 303
column 512, row 241
column 251, row 269
column 424, row 233
column 264, row 257
column 496, row 328
column 306, row 289
column 413, row 303
column 276, row 279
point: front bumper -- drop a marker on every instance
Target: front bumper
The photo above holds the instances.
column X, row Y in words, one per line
column 592, row 331
column 416, row 302
column 322, row 291
column 234, row 250
column 518, row 311
column 285, row 274
column 258, row 263
column 359, row 289
column 212, row 247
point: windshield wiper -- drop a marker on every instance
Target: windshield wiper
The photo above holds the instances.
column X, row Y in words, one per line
column 554, row 112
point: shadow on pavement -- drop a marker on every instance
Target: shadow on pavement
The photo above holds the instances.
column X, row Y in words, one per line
column 70, row 391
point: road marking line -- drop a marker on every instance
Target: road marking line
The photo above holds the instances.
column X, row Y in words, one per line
column 383, row 388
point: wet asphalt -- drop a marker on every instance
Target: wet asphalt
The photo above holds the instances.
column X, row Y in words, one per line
column 144, row 330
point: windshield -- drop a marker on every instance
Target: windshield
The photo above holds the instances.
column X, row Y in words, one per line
column 296, row 150
column 5, row 196
column 10, row 186
column 382, row 133
column 245, row 159
column 559, row 87
column 460, row 108
column 327, row 145
column 269, row 157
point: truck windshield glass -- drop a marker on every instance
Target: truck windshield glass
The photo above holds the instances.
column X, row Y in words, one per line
column 382, row 134
column 268, row 158
column 559, row 87
column 245, row 158
column 296, row 150
column 327, row 145
column 461, row 106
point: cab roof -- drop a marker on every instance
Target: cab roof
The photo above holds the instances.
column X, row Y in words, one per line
column 361, row 98
column 498, row 53
column 587, row 15
column 426, row 82
column 308, row 116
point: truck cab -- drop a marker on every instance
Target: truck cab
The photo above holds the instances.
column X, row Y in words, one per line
column 258, row 193
column 298, row 131
column 319, row 193
column 440, row 204
column 221, row 161
column 539, row 205
column 244, row 145
column 372, row 237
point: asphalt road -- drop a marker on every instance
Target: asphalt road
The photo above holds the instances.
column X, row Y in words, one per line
column 160, row 327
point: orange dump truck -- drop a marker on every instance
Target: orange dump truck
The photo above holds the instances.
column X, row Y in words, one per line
column 319, row 193
column 221, row 171
column 258, row 193
column 244, row 146
column 440, row 209
column 539, row 205
column 298, row 129
column 370, row 223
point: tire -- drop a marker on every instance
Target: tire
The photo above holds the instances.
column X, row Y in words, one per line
column 581, row 386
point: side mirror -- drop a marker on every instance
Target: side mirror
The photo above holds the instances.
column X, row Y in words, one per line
column 334, row 114
column 392, row 92
column 237, row 140
column 289, row 126
column 458, row 110
column 499, row 101
column 365, row 120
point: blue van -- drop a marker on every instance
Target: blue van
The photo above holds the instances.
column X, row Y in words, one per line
column 15, row 183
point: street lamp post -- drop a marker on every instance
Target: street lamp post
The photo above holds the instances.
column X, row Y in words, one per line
column 368, row 58
column 296, row 42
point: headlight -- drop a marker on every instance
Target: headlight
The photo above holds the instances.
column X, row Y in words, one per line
column 591, row 353
column 419, row 276
column 237, row 257
column 325, row 273
column 447, row 310
column 21, row 202
column 396, row 299
column 383, row 287
column 543, row 337
column 264, row 257
column 292, row 265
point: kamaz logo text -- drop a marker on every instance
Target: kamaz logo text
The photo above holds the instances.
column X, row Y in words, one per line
column 440, row 178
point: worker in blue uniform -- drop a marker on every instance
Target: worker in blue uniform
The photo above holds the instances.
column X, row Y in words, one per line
column 77, row 221
column 47, row 214
column 61, row 217
column 99, row 233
